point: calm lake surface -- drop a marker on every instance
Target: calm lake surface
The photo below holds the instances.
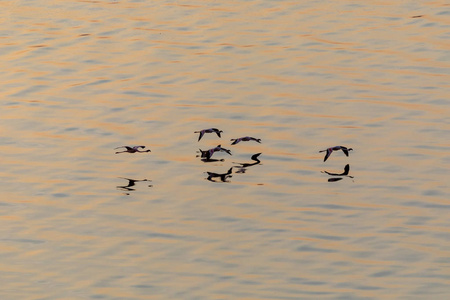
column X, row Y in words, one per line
column 80, row 78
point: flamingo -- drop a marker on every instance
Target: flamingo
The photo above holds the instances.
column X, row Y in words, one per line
column 246, row 139
column 209, row 130
column 133, row 149
column 335, row 148
column 208, row 153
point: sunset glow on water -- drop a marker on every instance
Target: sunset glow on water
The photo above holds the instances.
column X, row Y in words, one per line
column 81, row 78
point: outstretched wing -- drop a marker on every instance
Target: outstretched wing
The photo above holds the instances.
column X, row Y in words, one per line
column 345, row 150
column 327, row 155
column 217, row 131
column 200, row 135
column 225, row 150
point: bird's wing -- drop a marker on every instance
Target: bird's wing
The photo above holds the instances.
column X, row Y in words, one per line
column 327, row 155
column 200, row 135
column 345, row 151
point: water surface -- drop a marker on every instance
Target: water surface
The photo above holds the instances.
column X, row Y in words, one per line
column 81, row 78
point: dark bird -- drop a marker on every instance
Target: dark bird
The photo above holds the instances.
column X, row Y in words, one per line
column 208, row 153
column 209, row 130
column 133, row 149
column 245, row 139
column 223, row 177
column 335, row 148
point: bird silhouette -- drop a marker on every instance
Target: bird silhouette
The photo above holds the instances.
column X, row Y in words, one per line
column 209, row 130
column 133, row 149
column 335, row 148
column 207, row 154
column 245, row 139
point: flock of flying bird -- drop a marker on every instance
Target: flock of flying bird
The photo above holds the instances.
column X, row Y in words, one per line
column 207, row 154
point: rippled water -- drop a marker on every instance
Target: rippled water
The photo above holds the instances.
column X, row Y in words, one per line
column 80, row 78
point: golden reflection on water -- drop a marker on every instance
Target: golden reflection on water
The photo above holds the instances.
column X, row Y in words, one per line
column 82, row 78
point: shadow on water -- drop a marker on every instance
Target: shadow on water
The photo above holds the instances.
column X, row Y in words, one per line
column 131, row 182
column 241, row 169
column 342, row 175
column 223, row 176
column 205, row 160
column 243, row 166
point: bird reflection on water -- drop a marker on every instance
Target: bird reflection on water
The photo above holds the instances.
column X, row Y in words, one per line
column 131, row 182
column 343, row 174
column 243, row 166
column 223, row 177
column 241, row 169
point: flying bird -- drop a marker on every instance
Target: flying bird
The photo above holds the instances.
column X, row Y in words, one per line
column 133, row 149
column 245, row 139
column 209, row 130
column 335, row 148
column 208, row 153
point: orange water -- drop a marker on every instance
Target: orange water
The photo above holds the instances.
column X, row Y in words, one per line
column 80, row 78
